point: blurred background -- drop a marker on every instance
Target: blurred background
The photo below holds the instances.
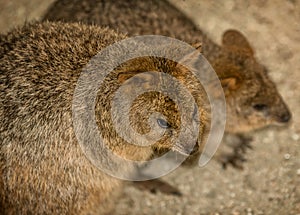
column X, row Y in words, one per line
column 270, row 181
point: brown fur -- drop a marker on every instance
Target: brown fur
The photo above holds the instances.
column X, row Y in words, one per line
column 245, row 81
column 43, row 169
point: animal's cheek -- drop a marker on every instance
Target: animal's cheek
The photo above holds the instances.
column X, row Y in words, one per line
column 169, row 137
column 259, row 115
column 259, row 120
column 164, row 143
column 172, row 135
column 266, row 114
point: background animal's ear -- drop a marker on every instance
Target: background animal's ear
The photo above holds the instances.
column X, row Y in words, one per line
column 235, row 39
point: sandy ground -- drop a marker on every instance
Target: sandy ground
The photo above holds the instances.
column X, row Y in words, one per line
column 270, row 182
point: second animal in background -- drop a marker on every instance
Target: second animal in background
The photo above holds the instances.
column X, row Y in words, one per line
column 252, row 99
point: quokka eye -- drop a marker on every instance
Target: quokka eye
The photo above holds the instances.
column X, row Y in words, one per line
column 163, row 123
column 260, row 107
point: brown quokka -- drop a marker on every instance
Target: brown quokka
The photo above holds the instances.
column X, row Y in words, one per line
column 43, row 168
column 252, row 99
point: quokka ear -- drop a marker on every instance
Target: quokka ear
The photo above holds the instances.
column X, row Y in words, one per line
column 141, row 80
column 235, row 39
column 122, row 77
column 140, row 68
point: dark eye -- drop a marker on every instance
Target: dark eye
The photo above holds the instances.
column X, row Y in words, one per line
column 163, row 123
column 260, row 107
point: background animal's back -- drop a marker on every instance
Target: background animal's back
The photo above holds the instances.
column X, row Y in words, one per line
column 133, row 17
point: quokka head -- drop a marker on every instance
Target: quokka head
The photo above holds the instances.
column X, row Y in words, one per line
column 165, row 106
column 252, row 98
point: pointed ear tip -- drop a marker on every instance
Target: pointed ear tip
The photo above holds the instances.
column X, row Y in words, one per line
column 232, row 31
column 231, row 35
column 235, row 38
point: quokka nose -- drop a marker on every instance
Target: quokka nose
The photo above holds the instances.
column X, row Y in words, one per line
column 285, row 117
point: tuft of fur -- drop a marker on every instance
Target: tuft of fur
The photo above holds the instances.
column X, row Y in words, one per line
column 252, row 99
column 43, row 169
